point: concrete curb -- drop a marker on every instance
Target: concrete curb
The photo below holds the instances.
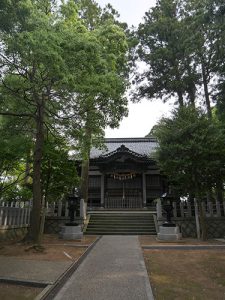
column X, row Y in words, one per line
column 30, row 283
column 184, row 247
column 70, row 245
column 50, row 291
column 148, row 285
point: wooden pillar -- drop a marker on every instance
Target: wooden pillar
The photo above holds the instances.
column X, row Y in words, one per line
column 144, row 189
column 102, row 190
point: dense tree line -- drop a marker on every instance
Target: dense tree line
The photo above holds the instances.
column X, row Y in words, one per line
column 182, row 45
column 63, row 77
column 64, row 70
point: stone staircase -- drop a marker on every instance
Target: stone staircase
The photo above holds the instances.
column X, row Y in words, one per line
column 121, row 223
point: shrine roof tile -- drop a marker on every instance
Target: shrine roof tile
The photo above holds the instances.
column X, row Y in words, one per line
column 142, row 146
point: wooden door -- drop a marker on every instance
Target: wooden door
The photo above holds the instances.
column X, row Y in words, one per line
column 123, row 194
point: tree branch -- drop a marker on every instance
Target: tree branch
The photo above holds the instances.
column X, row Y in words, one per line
column 16, row 114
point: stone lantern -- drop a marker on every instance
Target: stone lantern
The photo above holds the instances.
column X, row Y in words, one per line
column 167, row 206
column 73, row 206
column 72, row 230
column 168, row 231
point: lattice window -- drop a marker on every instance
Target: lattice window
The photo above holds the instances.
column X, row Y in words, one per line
column 94, row 182
column 152, row 180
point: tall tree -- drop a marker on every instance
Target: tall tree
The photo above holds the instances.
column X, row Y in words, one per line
column 218, row 18
column 191, row 152
column 163, row 47
column 202, row 43
column 48, row 58
column 105, row 104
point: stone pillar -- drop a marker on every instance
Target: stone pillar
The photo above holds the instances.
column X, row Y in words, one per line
column 159, row 209
column 144, row 189
column 83, row 209
column 102, row 190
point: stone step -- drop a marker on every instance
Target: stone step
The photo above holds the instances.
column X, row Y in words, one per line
column 118, row 233
column 122, row 215
column 121, row 228
column 121, row 223
column 128, row 230
column 122, row 219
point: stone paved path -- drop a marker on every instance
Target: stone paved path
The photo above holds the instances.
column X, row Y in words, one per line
column 114, row 270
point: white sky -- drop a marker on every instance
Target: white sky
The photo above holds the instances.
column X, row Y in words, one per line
column 144, row 115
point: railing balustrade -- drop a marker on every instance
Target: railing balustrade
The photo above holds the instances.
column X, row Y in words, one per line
column 113, row 202
column 185, row 209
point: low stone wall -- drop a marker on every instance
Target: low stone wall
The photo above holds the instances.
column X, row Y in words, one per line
column 187, row 227
column 8, row 233
column 53, row 224
column 215, row 226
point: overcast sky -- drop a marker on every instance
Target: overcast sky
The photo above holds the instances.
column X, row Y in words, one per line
column 142, row 116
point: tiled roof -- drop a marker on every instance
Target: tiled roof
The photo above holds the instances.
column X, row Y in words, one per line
column 142, row 146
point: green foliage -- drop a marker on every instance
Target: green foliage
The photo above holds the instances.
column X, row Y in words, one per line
column 59, row 174
column 182, row 44
column 163, row 47
column 191, row 150
column 14, row 146
column 63, row 68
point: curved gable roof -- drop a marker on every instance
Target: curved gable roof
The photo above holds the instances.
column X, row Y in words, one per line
column 141, row 146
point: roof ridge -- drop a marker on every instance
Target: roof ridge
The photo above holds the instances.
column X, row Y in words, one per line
column 143, row 139
column 122, row 148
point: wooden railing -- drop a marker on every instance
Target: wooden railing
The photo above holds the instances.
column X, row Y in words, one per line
column 113, row 202
column 18, row 213
column 14, row 216
column 185, row 209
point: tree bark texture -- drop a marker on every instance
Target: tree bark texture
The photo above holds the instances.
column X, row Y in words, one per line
column 84, row 179
column 178, row 88
column 206, row 91
column 203, row 224
column 35, row 235
column 191, row 88
column 85, row 162
column 180, row 98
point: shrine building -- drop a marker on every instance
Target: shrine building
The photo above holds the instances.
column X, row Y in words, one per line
column 124, row 174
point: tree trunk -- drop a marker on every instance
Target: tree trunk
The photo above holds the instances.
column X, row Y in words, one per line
column 202, row 220
column 85, row 163
column 206, row 91
column 28, row 168
column 178, row 88
column 191, row 89
column 202, row 217
column 35, row 234
column 180, row 98
column 219, row 190
column 209, row 194
column 84, row 180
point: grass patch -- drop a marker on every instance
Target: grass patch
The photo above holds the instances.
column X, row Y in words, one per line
column 186, row 275
column 18, row 292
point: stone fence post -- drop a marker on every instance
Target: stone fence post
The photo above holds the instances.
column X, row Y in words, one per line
column 83, row 209
column 159, row 209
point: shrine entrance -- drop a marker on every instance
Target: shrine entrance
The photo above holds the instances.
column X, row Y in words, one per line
column 123, row 179
column 123, row 191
